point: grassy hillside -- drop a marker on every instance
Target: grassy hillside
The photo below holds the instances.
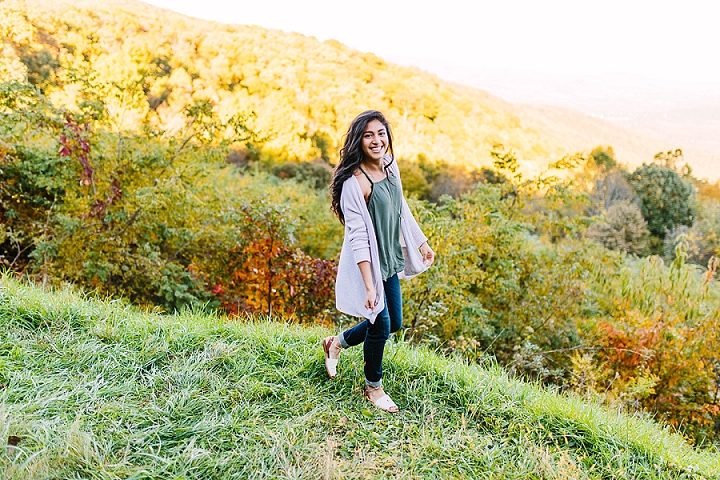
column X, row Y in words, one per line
column 300, row 93
column 95, row 389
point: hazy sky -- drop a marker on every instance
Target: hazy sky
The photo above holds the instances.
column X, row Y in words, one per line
column 661, row 40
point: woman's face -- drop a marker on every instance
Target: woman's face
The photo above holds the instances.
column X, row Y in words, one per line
column 375, row 141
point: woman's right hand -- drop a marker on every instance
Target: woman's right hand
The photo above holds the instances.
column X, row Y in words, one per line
column 371, row 293
column 371, row 299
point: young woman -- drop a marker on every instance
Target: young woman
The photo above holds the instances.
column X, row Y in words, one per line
column 382, row 243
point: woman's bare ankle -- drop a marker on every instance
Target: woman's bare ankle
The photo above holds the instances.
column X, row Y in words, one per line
column 335, row 347
column 374, row 392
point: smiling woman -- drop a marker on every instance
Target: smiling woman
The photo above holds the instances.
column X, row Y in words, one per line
column 382, row 244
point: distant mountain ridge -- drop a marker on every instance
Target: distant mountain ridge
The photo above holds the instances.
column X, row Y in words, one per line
column 299, row 93
column 672, row 113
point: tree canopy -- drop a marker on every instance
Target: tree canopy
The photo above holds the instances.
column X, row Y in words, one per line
column 667, row 198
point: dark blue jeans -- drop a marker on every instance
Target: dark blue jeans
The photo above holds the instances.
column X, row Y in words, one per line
column 374, row 335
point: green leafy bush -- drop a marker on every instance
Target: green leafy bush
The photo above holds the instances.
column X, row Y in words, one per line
column 136, row 215
column 667, row 198
column 703, row 238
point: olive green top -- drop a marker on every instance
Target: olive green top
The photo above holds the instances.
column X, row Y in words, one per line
column 384, row 205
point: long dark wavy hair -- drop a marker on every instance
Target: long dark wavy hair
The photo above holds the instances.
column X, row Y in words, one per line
column 351, row 155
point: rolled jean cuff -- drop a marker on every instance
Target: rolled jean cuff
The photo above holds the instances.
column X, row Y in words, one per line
column 370, row 384
column 343, row 343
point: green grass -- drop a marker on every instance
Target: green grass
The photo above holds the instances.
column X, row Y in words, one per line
column 101, row 390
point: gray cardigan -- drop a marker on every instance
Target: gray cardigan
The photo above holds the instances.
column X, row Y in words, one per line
column 360, row 244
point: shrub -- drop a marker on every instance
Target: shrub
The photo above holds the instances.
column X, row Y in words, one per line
column 610, row 189
column 316, row 173
column 657, row 333
column 667, row 198
column 130, row 214
column 603, row 158
column 703, row 238
column 262, row 273
column 623, row 228
column 496, row 288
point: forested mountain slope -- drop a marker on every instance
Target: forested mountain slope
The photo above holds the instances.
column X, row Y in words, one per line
column 300, row 93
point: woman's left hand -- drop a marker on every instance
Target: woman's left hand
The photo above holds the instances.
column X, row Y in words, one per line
column 427, row 254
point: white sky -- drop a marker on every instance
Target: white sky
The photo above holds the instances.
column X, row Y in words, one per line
column 673, row 41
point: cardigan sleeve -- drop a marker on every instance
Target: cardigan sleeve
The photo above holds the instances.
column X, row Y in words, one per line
column 418, row 237
column 355, row 228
